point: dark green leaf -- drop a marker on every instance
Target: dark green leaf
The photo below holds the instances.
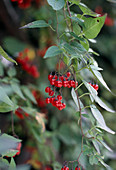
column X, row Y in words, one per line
column 1, row 69
column 36, row 24
column 56, row 4
column 4, row 98
column 5, row 55
column 52, row 52
column 17, row 90
column 7, row 108
column 11, row 72
column 28, row 93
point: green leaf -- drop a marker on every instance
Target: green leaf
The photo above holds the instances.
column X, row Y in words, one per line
column 36, row 24
column 106, row 146
column 96, row 145
column 11, row 72
column 92, row 26
column 56, row 4
column 87, row 11
column 4, row 164
column 4, row 98
column 78, row 20
column 101, row 122
column 52, row 52
column 29, row 110
column 28, row 93
column 5, row 55
column 100, row 78
column 7, row 108
column 1, row 69
column 93, row 160
column 17, row 90
column 87, row 150
column 13, row 45
column 78, row 38
column 96, row 98
column 7, row 143
column 75, row 1
column 12, row 164
column 74, row 96
column 10, row 153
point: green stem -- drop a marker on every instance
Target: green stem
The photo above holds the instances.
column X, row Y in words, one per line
column 84, row 95
column 79, row 86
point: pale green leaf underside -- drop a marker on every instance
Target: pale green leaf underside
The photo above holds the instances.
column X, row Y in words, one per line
column 56, row 4
column 52, row 52
column 5, row 55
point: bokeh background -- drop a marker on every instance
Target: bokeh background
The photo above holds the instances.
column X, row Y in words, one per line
column 61, row 140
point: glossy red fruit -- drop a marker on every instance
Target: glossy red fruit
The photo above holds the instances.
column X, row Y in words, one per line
column 50, row 76
column 52, row 99
column 63, row 168
column 18, row 148
column 63, row 105
column 65, row 83
column 48, row 100
column 77, row 168
column 75, row 85
column 51, row 93
column 52, row 81
column 61, row 78
column 66, row 168
column 96, row 87
column 58, row 83
column 59, row 97
column 68, row 74
column 47, row 89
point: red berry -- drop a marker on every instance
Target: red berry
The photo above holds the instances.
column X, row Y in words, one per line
column 65, row 83
column 47, row 89
column 77, row 168
column 48, row 100
column 66, row 168
column 52, row 99
column 51, row 93
column 52, row 81
column 58, row 83
column 50, row 76
column 59, row 97
column 68, row 74
column 63, row 105
column 96, row 87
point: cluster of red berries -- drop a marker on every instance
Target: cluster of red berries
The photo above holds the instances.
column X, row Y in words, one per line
column 20, row 113
column 57, row 81
column 62, row 80
column 24, row 60
column 67, row 168
column 95, row 86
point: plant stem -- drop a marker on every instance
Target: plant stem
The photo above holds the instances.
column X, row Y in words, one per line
column 12, row 122
column 84, row 95
column 70, row 16
column 57, row 26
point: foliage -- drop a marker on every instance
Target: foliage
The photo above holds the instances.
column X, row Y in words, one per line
column 77, row 134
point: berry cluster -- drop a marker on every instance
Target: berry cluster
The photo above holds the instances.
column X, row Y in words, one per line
column 67, row 168
column 57, row 81
column 62, row 80
column 24, row 60
column 20, row 113
column 95, row 86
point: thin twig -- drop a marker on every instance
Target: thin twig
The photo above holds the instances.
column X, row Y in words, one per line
column 70, row 16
